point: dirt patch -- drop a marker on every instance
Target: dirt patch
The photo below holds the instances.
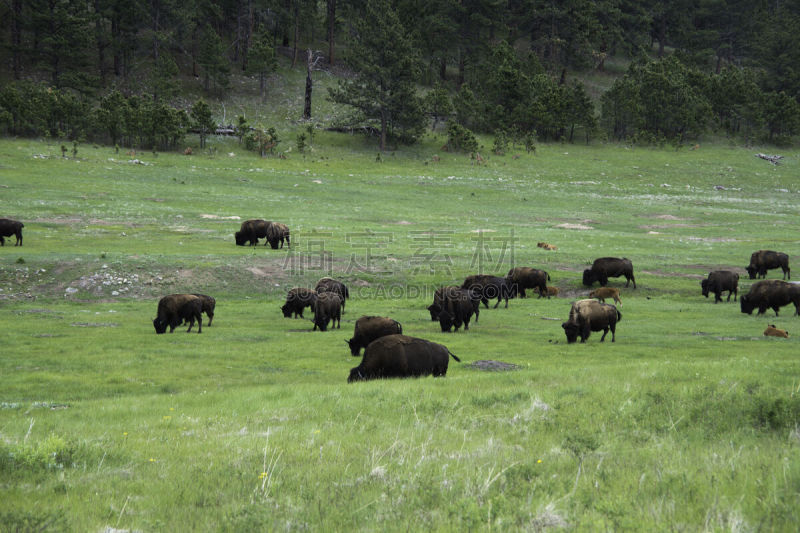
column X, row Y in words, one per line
column 492, row 366
column 574, row 226
column 218, row 217
column 94, row 325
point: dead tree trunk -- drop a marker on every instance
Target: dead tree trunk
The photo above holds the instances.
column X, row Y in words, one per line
column 309, row 86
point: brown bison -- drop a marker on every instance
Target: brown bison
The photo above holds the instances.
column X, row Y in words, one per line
column 399, row 356
column 551, row 291
column 327, row 307
column 546, row 246
column 438, row 298
column 764, row 260
column 369, row 328
column 297, row 300
column 209, row 303
column 277, row 233
column 771, row 293
column 10, row 227
column 174, row 309
column 458, row 306
column 719, row 281
column 528, row 278
column 252, row 230
column 331, row 285
column 609, row 267
column 489, row 288
column 590, row 315
column 606, row 292
column 772, row 331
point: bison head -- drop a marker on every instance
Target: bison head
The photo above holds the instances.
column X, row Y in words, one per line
column 446, row 320
column 571, row 330
column 355, row 375
column 434, row 311
column 160, row 325
column 746, row 304
column 704, row 285
column 321, row 321
column 287, row 312
column 240, row 238
column 589, row 277
column 355, row 348
column 752, row 271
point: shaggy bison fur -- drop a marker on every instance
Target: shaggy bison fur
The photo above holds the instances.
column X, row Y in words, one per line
column 590, row 315
column 252, row 230
column 276, row 234
column 369, row 328
column 8, row 228
column 770, row 293
column 399, row 356
column 529, row 278
column 174, row 309
column 609, row 267
column 327, row 307
column 331, row 285
column 764, row 260
column 297, row 300
column 209, row 303
column 719, row 281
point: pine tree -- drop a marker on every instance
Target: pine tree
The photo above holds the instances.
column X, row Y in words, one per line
column 202, row 120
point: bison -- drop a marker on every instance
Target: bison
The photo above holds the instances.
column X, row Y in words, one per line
column 277, row 233
column 764, row 260
column 772, row 293
column 209, row 303
column 546, row 246
column 175, row 308
column 590, row 315
column 772, row 331
column 489, row 288
column 10, row 227
column 606, row 292
column 369, row 328
column 327, row 307
column 297, row 300
column 331, row 285
column 252, row 230
column 609, row 267
column 551, row 291
column 458, row 307
column 400, row 356
column 719, row 281
column 528, row 278
column 438, row 298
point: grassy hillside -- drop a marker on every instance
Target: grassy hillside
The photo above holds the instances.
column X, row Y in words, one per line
column 688, row 421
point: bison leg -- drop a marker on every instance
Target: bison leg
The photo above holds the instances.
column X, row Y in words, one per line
column 605, row 332
column 718, row 296
column 2, row 241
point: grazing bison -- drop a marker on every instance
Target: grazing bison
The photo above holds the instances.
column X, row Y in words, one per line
column 606, row 292
column 772, row 331
column 277, row 233
column 327, row 307
column 719, row 281
column 609, row 267
column 297, row 300
column 10, row 227
column 252, row 230
column 331, row 285
column 438, row 298
column 771, row 293
column 175, row 308
column 489, row 288
column 764, row 260
column 369, row 328
column 209, row 303
column 589, row 315
column 458, row 307
column 528, row 278
column 399, row 356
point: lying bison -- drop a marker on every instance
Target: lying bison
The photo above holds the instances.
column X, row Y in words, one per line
column 10, row 227
column 297, row 300
column 590, row 315
column 764, row 260
column 276, row 234
column 489, row 288
column 399, row 356
column 175, row 308
column 529, row 278
column 719, row 281
column 327, row 307
column 441, row 293
column 331, row 285
column 772, row 331
column 772, row 293
column 252, row 230
column 457, row 308
column 609, row 267
column 369, row 328
column 209, row 303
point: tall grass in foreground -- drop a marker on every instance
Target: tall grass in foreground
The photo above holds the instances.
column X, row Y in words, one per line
column 689, row 421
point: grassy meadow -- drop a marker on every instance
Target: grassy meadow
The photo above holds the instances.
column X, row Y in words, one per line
column 688, row 422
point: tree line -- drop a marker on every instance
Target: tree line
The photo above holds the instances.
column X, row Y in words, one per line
column 490, row 66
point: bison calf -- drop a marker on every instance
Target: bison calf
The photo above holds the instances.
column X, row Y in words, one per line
column 551, row 291
column 606, row 292
column 369, row 328
column 174, row 309
column 399, row 356
column 772, row 331
column 10, row 227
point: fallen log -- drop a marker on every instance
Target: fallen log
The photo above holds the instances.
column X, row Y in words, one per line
column 774, row 159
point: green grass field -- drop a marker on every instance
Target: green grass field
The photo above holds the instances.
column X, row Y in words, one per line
column 688, row 422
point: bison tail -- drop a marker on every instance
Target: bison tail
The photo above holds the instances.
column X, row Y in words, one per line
column 548, row 277
column 453, row 356
column 619, row 315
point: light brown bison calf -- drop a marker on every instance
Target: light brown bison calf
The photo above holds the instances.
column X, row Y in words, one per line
column 772, row 331
column 606, row 292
